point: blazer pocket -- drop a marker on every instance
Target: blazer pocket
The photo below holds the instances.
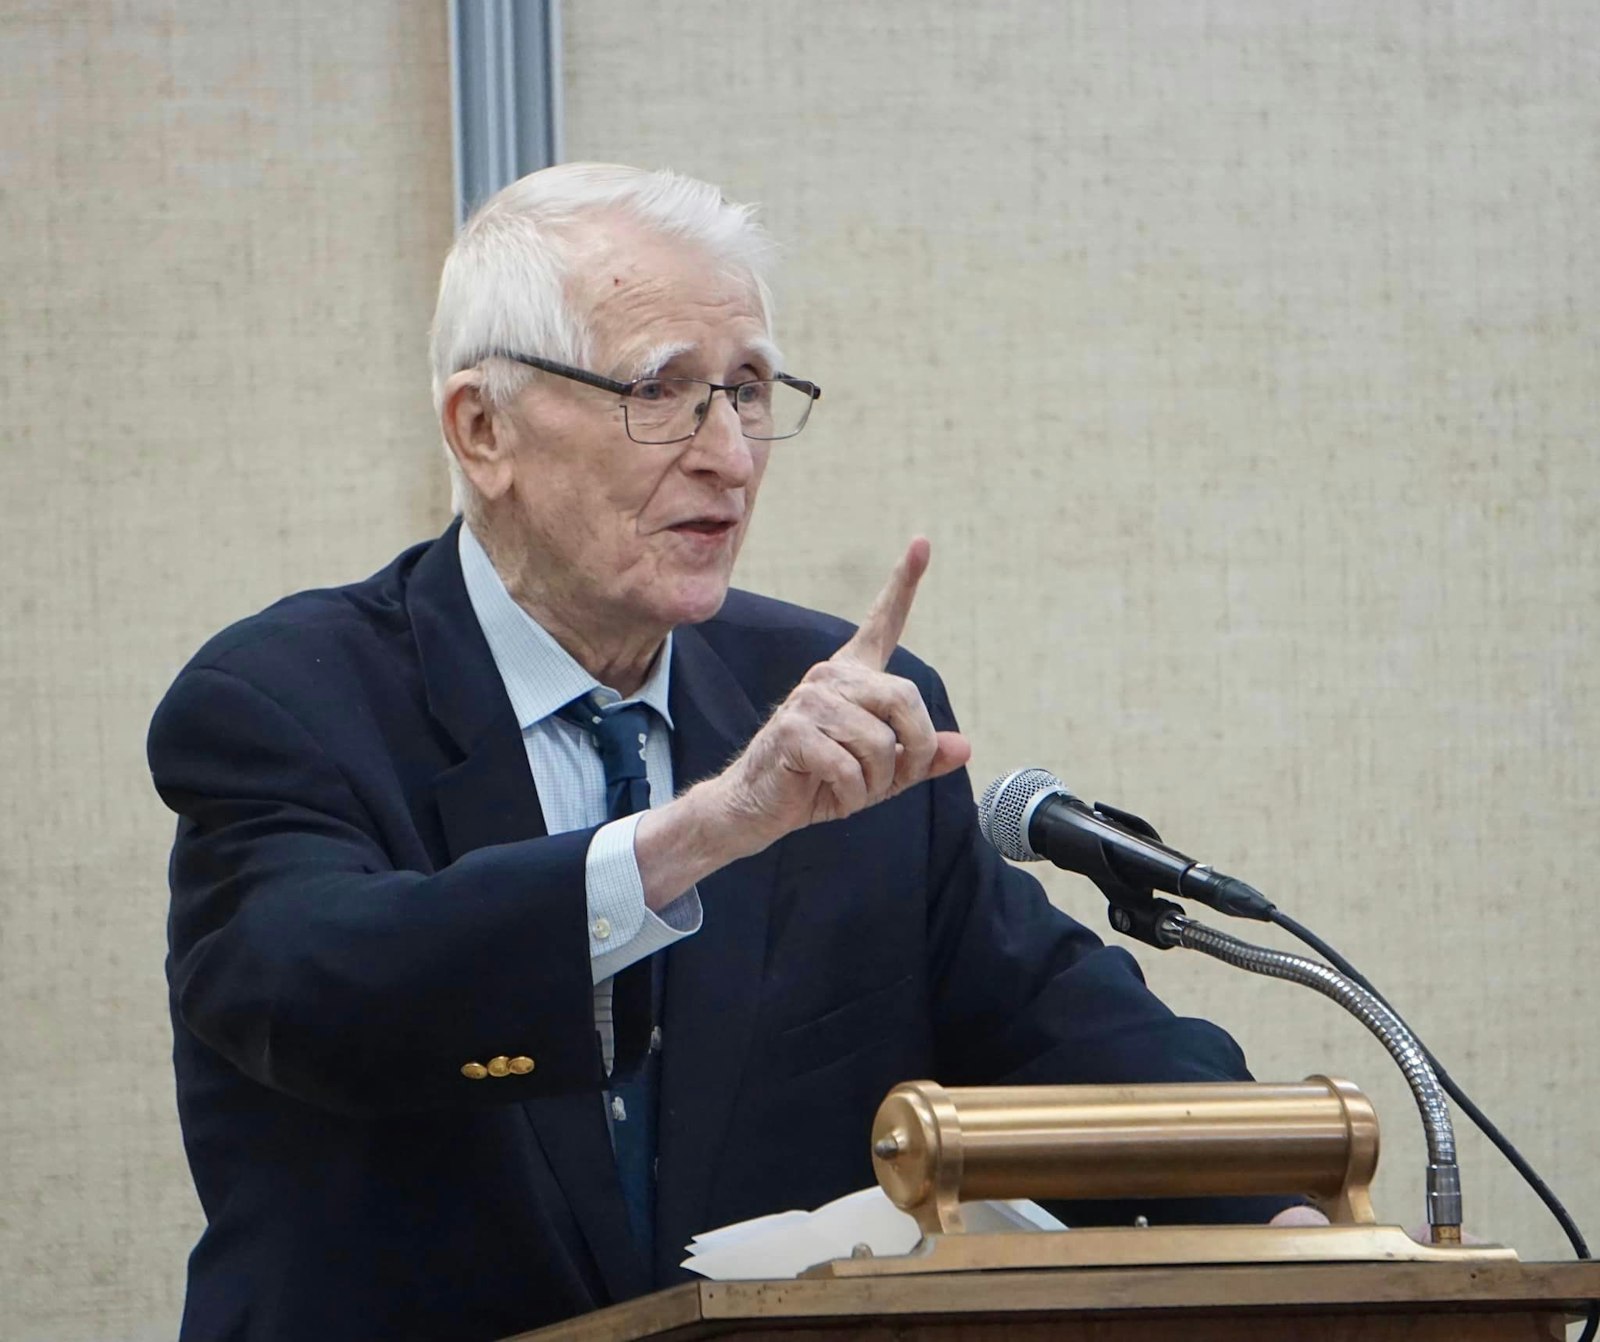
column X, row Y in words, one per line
column 840, row 1032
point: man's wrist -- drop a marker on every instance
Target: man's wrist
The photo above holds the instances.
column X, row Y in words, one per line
column 679, row 844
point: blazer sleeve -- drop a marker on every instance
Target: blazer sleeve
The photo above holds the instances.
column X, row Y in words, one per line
column 300, row 953
column 1025, row 995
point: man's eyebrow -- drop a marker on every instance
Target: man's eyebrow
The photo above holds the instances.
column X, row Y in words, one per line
column 657, row 357
column 652, row 361
column 767, row 352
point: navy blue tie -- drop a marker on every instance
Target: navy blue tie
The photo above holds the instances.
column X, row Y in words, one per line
column 619, row 733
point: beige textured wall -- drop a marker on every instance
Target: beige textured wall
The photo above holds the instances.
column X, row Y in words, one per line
column 1241, row 359
column 1243, row 362
column 221, row 231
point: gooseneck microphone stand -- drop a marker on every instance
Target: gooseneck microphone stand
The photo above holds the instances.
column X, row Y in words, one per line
column 1162, row 924
column 1005, row 815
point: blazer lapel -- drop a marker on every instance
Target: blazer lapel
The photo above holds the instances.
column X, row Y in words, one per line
column 488, row 798
column 713, row 980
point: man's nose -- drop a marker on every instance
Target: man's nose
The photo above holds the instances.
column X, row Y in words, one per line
column 719, row 445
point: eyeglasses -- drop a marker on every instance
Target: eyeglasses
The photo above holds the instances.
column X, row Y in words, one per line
column 671, row 409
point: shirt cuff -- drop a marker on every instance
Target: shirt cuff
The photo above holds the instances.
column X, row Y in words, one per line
column 622, row 929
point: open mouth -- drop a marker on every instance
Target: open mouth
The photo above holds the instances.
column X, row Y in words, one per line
column 706, row 527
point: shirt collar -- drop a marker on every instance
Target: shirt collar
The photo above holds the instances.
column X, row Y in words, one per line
column 540, row 675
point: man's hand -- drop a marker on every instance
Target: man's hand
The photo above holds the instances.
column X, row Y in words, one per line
column 1299, row 1215
column 1310, row 1216
column 848, row 737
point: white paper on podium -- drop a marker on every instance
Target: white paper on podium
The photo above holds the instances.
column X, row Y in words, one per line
column 785, row 1244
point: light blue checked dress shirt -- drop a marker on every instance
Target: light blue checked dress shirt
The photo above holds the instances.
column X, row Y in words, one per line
column 540, row 676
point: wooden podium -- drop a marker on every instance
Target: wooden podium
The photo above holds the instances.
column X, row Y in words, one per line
column 1372, row 1302
column 936, row 1150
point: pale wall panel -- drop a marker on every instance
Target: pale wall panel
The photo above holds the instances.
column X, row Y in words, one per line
column 222, row 229
column 1241, row 360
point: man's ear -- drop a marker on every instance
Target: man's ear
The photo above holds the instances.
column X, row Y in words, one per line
column 483, row 451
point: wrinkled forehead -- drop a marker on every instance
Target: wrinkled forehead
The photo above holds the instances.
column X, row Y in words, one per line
column 647, row 298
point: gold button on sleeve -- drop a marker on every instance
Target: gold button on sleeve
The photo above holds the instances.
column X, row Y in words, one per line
column 474, row 1071
column 499, row 1066
column 521, row 1066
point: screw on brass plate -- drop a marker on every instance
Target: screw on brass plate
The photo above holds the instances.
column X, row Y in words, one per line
column 887, row 1148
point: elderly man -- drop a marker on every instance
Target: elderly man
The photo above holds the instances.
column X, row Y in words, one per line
column 539, row 902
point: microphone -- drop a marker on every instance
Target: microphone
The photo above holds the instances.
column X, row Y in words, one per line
column 1029, row 816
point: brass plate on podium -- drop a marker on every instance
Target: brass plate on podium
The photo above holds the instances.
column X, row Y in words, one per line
column 1129, row 1246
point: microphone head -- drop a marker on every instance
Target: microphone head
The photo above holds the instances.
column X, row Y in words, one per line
column 1007, row 806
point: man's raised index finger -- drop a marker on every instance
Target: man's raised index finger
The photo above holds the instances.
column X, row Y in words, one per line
column 880, row 631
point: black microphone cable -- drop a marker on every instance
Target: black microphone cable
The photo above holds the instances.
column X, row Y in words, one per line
column 1480, row 1119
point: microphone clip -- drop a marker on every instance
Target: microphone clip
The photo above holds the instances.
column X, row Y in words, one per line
column 1131, row 910
column 1142, row 917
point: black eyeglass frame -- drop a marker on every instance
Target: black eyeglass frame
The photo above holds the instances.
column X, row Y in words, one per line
column 627, row 389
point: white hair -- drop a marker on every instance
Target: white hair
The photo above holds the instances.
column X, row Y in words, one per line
column 507, row 280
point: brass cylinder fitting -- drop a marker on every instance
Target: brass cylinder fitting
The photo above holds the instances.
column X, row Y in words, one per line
column 934, row 1148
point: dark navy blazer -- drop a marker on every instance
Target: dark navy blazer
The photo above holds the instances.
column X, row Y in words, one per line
column 364, row 898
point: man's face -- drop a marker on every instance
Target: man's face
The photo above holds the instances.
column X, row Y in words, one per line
column 625, row 540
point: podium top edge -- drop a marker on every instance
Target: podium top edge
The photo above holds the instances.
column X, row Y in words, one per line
column 696, row 1308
